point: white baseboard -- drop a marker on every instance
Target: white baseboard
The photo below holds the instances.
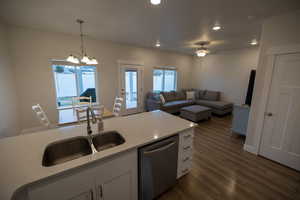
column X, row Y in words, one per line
column 251, row 149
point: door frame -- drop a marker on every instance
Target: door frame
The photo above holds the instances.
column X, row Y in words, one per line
column 140, row 66
column 271, row 55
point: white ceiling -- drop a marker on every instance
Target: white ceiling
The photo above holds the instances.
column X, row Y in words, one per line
column 178, row 24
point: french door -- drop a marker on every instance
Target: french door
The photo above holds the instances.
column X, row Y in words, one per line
column 131, row 88
column 281, row 132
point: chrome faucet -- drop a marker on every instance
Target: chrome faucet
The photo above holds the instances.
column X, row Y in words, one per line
column 94, row 121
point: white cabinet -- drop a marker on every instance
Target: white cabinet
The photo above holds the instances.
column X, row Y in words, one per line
column 185, row 152
column 118, row 188
column 110, row 179
column 84, row 196
column 75, row 185
column 117, row 179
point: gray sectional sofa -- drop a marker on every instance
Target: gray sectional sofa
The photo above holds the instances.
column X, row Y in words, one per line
column 174, row 101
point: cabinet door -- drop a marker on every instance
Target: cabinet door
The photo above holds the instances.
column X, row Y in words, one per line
column 84, row 196
column 116, row 178
column 78, row 185
column 117, row 188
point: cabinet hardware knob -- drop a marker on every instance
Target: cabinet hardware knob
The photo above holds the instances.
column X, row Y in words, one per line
column 186, row 159
column 186, row 148
column 187, row 136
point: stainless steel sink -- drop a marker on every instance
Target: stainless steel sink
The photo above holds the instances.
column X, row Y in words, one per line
column 66, row 150
column 107, row 140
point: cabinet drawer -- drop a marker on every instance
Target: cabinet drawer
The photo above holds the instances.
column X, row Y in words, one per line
column 185, row 153
column 186, row 138
column 184, row 168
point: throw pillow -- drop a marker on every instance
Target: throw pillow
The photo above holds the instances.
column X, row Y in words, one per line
column 162, row 99
column 190, row 95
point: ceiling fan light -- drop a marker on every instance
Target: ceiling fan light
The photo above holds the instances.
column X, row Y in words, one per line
column 155, row 2
column 254, row 42
column 216, row 27
column 157, row 44
column 201, row 53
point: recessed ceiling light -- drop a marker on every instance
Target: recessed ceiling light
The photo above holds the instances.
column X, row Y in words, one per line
column 157, row 44
column 216, row 27
column 254, row 42
column 155, row 2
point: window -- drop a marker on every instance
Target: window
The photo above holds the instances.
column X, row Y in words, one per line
column 164, row 80
column 74, row 81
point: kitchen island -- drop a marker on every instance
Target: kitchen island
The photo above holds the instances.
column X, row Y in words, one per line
column 21, row 168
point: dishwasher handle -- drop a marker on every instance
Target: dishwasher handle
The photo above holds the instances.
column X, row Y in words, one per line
column 160, row 148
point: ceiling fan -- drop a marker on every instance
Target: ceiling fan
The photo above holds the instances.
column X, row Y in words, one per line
column 202, row 50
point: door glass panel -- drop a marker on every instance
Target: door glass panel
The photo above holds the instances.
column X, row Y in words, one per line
column 65, row 78
column 131, row 88
column 158, row 80
column 170, row 80
column 87, row 81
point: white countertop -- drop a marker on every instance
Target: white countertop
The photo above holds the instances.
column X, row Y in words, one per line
column 21, row 156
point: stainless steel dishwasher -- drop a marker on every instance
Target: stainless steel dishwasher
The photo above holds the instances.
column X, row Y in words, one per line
column 157, row 167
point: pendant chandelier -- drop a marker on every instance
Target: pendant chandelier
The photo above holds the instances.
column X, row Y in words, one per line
column 83, row 58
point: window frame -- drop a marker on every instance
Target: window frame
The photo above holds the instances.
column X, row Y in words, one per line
column 77, row 82
column 164, row 69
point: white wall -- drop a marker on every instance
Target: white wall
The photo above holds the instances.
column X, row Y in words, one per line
column 277, row 31
column 32, row 51
column 9, row 125
column 227, row 72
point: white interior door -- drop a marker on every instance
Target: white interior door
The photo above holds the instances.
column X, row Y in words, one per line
column 281, row 132
column 131, row 88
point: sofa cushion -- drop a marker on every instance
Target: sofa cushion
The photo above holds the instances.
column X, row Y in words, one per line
column 220, row 105
column 210, row 95
column 179, row 103
column 180, row 95
column 153, row 95
column 199, row 94
column 190, row 95
column 162, row 99
column 169, row 96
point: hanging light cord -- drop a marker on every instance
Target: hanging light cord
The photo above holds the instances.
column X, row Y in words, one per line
column 81, row 36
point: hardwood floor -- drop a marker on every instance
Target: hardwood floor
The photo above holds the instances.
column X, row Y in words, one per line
column 222, row 170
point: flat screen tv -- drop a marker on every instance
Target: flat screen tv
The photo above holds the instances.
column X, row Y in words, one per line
column 250, row 88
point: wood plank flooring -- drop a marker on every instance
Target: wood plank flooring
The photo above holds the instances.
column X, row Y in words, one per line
column 223, row 170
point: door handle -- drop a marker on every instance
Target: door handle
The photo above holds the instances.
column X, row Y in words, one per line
column 160, row 149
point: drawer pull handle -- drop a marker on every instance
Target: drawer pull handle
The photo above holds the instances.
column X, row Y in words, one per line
column 186, row 136
column 186, row 148
column 186, row 159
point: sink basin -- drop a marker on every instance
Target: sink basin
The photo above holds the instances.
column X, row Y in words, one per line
column 66, row 150
column 107, row 140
